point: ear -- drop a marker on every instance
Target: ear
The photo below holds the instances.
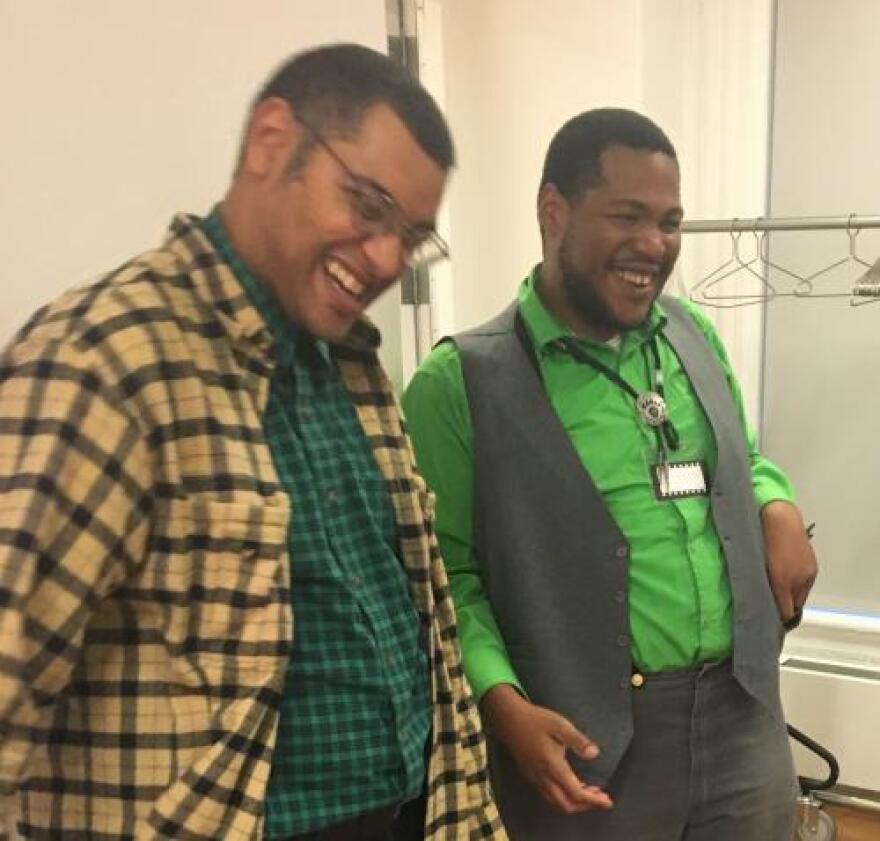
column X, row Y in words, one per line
column 270, row 138
column 553, row 212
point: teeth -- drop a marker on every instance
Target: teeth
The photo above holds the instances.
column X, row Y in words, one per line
column 639, row 279
column 344, row 278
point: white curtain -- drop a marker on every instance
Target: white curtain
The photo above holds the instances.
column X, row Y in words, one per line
column 707, row 83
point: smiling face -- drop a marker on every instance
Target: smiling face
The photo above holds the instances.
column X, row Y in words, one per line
column 608, row 254
column 303, row 233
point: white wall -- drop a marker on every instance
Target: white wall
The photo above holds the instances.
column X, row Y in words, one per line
column 821, row 402
column 118, row 114
column 831, row 690
column 822, row 372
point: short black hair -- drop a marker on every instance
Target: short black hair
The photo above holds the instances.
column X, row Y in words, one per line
column 573, row 163
column 331, row 87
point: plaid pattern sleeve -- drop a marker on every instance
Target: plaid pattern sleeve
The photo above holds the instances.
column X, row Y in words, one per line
column 74, row 505
column 144, row 586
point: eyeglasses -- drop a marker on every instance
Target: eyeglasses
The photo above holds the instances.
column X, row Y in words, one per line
column 375, row 212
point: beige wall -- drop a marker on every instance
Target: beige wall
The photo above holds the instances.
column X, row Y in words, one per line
column 117, row 114
column 515, row 70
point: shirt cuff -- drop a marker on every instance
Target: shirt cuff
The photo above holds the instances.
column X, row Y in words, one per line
column 488, row 666
column 767, row 494
column 771, row 484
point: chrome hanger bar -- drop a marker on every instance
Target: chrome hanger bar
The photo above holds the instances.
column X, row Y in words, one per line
column 793, row 223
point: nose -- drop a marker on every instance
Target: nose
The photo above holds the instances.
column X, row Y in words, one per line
column 651, row 242
column 386, row 255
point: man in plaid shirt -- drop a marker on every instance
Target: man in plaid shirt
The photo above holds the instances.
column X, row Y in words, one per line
column 223, row 614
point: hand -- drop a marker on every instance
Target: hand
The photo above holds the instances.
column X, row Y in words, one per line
column 538, row 740
column 791, row 562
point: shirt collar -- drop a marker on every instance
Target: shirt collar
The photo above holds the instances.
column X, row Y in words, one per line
column 194, row 253
column 286, row 335
column 546, row 329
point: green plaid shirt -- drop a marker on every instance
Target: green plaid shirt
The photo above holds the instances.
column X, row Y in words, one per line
column 356, row 713
column 145, row 606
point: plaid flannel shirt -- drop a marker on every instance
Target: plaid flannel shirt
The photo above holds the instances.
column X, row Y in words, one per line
column 145, row 620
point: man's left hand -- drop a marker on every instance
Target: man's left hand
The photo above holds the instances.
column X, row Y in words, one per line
column 791, row 561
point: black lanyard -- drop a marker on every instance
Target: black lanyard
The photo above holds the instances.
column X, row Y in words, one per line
column 651, row 405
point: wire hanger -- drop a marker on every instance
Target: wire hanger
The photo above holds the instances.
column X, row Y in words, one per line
column 702, row 292
column 865, row 290
column 867, row 287
column 769, row 265
column 806, row 287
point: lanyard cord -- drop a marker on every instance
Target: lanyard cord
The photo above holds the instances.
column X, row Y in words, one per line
column 664, row 429
column 670, row 433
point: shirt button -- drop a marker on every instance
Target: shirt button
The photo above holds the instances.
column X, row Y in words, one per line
column 355, row 581
column 332, row 496
column 621, row 551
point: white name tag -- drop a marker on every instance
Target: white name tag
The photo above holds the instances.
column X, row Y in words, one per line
column 674, row 479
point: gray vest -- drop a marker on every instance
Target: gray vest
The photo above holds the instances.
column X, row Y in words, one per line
column 554, row 562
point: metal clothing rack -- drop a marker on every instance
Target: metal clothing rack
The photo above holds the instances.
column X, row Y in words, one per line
column 759, row 269
column 792, row 223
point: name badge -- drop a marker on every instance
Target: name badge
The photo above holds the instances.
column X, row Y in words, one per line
column 676, row 479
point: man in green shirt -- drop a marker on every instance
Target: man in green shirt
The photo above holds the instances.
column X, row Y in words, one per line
column 621, row 556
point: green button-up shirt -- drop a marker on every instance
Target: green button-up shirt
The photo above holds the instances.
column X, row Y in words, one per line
column 356, row 713
column 680, row 601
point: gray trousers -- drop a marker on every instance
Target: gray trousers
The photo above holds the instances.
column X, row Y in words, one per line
column 707, row 763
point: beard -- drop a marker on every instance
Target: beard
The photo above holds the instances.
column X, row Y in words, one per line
column 590, row 308
column 579, row 288
column 580, row 294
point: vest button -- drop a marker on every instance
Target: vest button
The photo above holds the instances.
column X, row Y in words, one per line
column 620, row 597
column 637, row 680
column 623, row 640
column 621, row 551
